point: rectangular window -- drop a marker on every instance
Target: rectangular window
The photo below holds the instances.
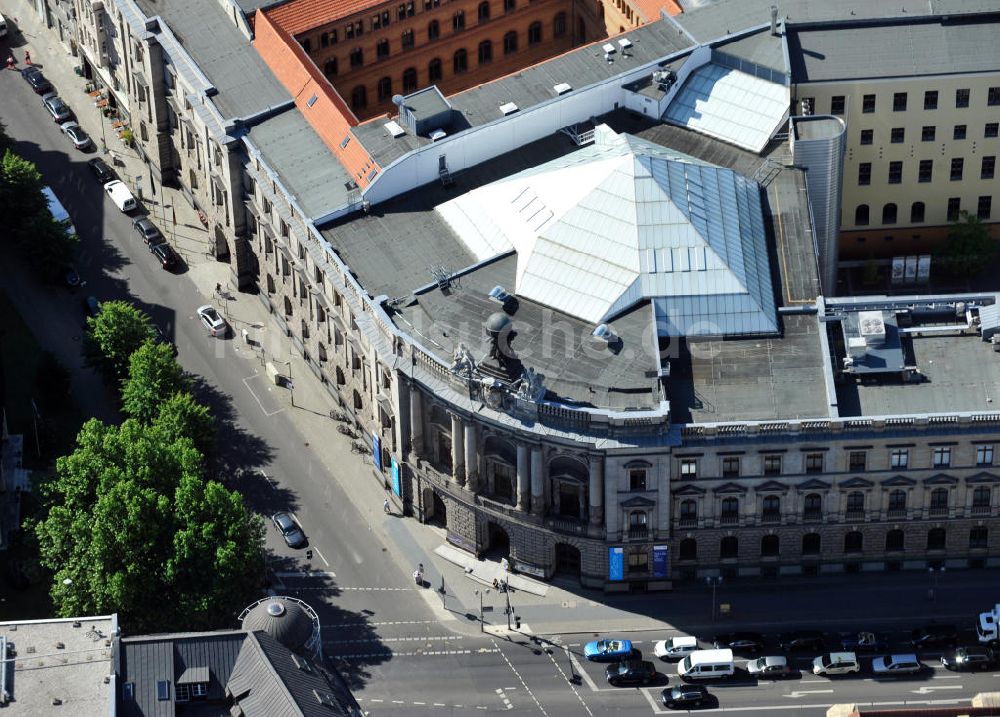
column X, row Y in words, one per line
column 992, row 129
column 927, row 133
column 993, row 96
column 407, row 39
column 814, row 462
column 856, row 461
column 985, row 207
column 988, row 168
column 930, row 100
column 458, row 21
column 867, row 136
column 637, row 479
column 926, row 170
column 689, row 468
column 837, row 105
column 954, row 208
column 864, row 174
column 899, row 102
column 957, row 164
column 984, row 455
column 730, row 467
column 868, row 104
column 941, row 456
column 895, row 172
column 959, row 132
column 899, row 458
column 897, row 135
column 772, row 465
column 962, row 98
column 382, row 49
column 638, row 561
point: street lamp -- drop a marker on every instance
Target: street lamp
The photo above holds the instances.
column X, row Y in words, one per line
column 291, row 384
column 480, row 593
column 714, row 582
column 935, row 575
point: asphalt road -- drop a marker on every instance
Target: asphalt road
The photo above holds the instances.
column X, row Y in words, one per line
column 404, row 649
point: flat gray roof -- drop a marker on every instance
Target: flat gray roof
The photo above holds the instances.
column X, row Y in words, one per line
column 307, row 168
column 73, row 672
column 905, row 48
column 245, row 84
column 816, row 127
column 761, row 48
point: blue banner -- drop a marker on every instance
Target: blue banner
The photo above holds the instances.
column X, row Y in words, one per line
column 616, row 564
column 396, row 484
column 661, row 561
column 377, row 451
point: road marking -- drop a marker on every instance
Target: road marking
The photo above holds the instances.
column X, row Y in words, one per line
column 392, row 639
column 359, row 589
column 257, row 398
column 523, row 683
column 322, row 558
column 927, row 689
column 803, row 693
column 826, row 705
column 582, row 672
column 416, row 653
column 371, row 624
column 652, row 702
column 504, row 698
column 306, row 574
column 572, row 686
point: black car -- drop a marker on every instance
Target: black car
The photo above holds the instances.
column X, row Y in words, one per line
column 36, row 79
column 683, row 696
column 934, row 636
column 101, row 170
column 167, row 256
column 740, row 641
column 289, row 529
column 148, row 231
column 811, row 640
column 969, row 659
column 631, row 672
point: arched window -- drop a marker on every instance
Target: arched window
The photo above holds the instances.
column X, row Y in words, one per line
column 811, row 543
column 433, row 30
column 384, row 89
column 861, row 215
column 854, row 542
column 534, row 33
column 484, row 11
column 485, row 52
column 772, row 506
column 689, row 510
column 638, row 524
column 409, row 79
column 330, row 68
column 813, row 505
column 729, row 547
column 359, row 97
column 730, row 507
column 559, row 25
column 500, row 461
column 769, row 545
column 939, row 499
column 434, row 70
column 569, row 485
column 688, row 549
column 897, row 500
column 981, row 497
column 979, row 537
column 894, row 540
column 936, row 538
column 917, row 212
column 889, row 213
column 510, row 43
column 460, row 61
column 855, row 501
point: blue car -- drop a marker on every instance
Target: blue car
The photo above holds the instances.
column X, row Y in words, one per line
column 607, row 650
column 864, row 641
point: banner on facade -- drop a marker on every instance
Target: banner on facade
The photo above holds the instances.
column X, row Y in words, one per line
column 661, row 561
column 377, row 451
column 397, row 487
column 616, row 563
column 461, row 542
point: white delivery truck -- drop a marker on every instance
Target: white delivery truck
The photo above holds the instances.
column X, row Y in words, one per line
column 988, row 627
column 58, row 211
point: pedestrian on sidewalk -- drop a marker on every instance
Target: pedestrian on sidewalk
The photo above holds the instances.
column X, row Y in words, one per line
column 385, row 506
column 27, row 57
column 11, row 62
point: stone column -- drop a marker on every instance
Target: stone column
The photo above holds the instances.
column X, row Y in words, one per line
column 523, row 477
column 537, row 482
column 750, row 506
column 596, row 489
column 416, row 421
column 472, row 455
column 457, row 450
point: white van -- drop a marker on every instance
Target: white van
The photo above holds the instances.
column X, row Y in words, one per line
column 58, row 211
column 120, row 195
column 707, row 665
column 3, row 26
column 836, row 663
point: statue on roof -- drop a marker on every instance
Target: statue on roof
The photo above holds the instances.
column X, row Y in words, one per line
column 463, row 364
column 529, row 386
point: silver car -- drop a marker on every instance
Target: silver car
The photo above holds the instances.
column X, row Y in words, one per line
column 211, row 320
column 289, row 529
column 59, row 110
column 891, row 665
column 81, row 140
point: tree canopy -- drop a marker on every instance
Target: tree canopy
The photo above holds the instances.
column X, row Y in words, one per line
column 153, row 377
column 969, row 248
column 114, row 335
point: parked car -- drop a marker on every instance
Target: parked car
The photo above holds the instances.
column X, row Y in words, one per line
column 216, row 326
column 147, row 231
column 770, row 668
column 55, row 106
column 36, row 79
column 934, row 635
column 683, row 696
column 836, row 663
column 121, row 195
column 740, row 641
column 166, row 255
column 864, row 641
column 101, row 170
column 892, row 665
column 675, row 648
column 289, row 529
column 631, row 672
column 811, row 640
column 80, row 139
column 969, row 659
column 604, row 650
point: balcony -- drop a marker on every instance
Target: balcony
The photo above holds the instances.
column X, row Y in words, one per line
column 979, row 510
column 854, row 515
column 895, row 513
column 770, row 517
column 812, row 516
column 938, row 511
column 729, row 519
column 638, row 532
column 687, row 522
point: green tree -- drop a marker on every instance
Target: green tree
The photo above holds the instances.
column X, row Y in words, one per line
column 153, row 376
column 114, row 335
column 969, row 247
column 5, row 140
column 21, row 196
column 135, row 529
column 181, row 416
column 46, row 246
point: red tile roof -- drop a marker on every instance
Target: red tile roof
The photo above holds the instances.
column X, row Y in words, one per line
column 329, row 115
column 298, row 16
column 650, row 9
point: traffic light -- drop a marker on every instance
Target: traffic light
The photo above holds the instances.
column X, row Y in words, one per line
column 517, row 622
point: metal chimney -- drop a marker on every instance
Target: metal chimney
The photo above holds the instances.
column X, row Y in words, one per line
column 774, row 20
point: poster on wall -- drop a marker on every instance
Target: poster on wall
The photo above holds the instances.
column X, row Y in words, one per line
column 396, row 483
column 661, row 562
column 376, row 451
column 616, row 563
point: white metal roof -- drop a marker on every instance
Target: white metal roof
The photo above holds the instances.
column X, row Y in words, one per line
column 730, row 105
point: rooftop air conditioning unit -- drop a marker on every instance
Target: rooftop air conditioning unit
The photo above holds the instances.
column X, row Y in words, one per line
column 605, row 334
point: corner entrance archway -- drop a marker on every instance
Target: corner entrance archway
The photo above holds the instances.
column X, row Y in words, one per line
column 435, row 510
column 568, row 561
column 499, row 542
